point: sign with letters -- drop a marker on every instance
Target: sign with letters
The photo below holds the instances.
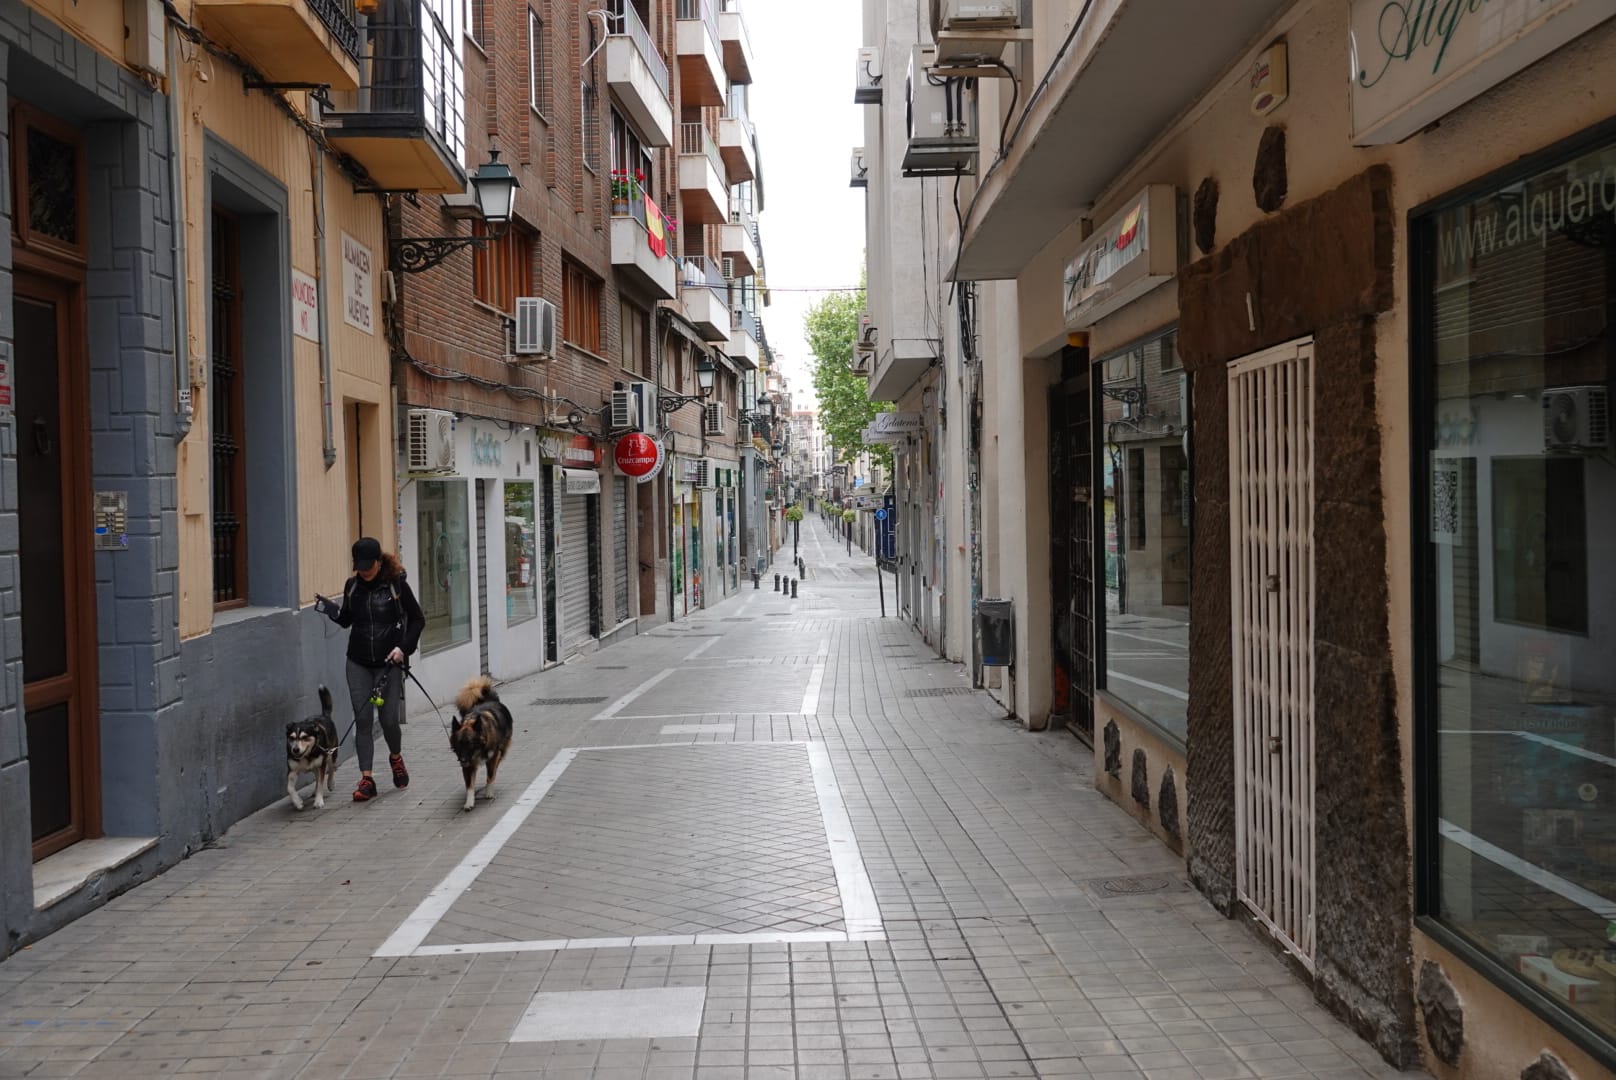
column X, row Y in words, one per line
column 305, row 306
column 358, row 308
column 1415, row 61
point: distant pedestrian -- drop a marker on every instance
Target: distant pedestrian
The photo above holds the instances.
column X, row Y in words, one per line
column 384, row 621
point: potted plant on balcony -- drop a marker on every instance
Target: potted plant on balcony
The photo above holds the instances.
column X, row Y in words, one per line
column 622, row 188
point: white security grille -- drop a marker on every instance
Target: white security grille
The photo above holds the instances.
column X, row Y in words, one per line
column 1271, row 548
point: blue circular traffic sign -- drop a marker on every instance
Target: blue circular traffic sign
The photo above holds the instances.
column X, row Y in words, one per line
column 880, row 515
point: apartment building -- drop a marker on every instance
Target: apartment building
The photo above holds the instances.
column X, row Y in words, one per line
column 199, row 369
column 1296, row 392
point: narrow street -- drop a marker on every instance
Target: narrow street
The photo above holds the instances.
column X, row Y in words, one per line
column 778, row 838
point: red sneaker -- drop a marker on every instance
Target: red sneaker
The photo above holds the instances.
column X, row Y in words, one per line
column 401, row 775
column 366, row 790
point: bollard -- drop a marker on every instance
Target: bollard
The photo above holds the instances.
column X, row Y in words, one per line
column 777, row 583
column 793, row 588
column 804, row 569
column 757, row 582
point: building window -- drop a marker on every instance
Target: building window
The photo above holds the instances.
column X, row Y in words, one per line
column 631, row 158
column 636, row 323
column 441, row 522
column 521, row 554
column 589, row 105
column 580, row 307
column 538, row 75
column 1145, row 518
column 502, row 269
column 476, row 14
column 1515, row 580
column 228, row 418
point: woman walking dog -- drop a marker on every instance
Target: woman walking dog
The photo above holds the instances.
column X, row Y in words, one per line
column 384, row 623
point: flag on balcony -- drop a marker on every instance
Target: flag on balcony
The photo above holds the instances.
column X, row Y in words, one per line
column 656, row 230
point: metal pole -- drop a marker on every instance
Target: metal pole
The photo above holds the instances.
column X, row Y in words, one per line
column 881, row 584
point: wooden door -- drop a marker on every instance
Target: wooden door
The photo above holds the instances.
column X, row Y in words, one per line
column 57, row 576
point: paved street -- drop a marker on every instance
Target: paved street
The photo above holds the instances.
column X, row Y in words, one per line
column 777, row 839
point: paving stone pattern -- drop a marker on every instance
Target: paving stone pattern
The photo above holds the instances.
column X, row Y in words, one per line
column 1002, row 958
column 677, row 840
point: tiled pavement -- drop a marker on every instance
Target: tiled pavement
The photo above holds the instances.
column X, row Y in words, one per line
column 995, row 951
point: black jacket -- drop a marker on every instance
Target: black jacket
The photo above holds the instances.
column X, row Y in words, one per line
column 382, row 615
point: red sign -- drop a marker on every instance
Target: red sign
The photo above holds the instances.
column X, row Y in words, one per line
column 638, row 456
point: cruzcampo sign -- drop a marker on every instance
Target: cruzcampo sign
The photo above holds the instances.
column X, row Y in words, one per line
column 1415, row 61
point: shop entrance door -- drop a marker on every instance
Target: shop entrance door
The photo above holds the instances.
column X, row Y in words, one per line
column 1271, row 552
column 1071, row 564
column 58, row 593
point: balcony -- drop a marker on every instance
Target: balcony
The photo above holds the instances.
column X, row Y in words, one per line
column 737, row 144
column 737, row 45
column 408, row 127
column 704, row 193
column 738, row 243
column 705, row 295
column 743, row 339
column 289, row 41
column 640, row 240
column 702, row 78
column 638, row 76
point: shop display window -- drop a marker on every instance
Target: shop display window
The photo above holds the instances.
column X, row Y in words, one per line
column 1514, row 349
column 442, row 523
column 521, row 554
column 1142, row 438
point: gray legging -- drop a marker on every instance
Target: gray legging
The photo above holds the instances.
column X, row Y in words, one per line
column 361, row 680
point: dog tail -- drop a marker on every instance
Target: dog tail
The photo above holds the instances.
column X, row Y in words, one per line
column 325, row 702
column 474, row 693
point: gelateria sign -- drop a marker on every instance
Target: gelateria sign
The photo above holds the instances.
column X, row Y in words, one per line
column 1415, row 61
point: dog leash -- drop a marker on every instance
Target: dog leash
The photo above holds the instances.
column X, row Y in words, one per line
column 436, row 709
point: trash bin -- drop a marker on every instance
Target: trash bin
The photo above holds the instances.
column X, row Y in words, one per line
column 996, row 626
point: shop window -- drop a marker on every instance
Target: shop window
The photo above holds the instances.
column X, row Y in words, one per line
column 580, row 307
column 1515, row 580
column 521, row 554
column 443, row 533
column 502, row 269
column 1145, row 522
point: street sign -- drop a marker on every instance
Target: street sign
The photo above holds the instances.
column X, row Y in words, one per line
column 880, row 515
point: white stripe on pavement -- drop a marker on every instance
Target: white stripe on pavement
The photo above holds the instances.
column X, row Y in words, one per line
column 617, row 706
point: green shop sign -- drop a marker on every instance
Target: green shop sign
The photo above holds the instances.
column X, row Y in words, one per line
column 1415, row 61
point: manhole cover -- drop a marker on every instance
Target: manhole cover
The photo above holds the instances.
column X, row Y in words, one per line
column 1139, row 885
column 704, row 635
column 939, row 691
column 737, row 618
column 612, row 667
column 568, row 701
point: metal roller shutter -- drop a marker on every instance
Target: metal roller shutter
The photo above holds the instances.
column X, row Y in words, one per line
column 574, row 573
column 620, row 546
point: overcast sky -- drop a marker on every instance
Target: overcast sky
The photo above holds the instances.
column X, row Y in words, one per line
column 812, row 224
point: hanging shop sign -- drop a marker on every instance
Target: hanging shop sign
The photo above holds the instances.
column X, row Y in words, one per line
column 1131, row 254
column 894, row 426
column 1415, row 61
column 581, row 481
column 639, row 456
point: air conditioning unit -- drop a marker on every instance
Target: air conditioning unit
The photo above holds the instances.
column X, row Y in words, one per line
column 867, row 79
column 647, row 393
column 955, row 15
column 859, row 174
column 1576, row 418
column 712, row 419
column 704, row 473
column 625, row 410
column 535, row 327
column 431, row 441
column 942, row 120
column 728, row 268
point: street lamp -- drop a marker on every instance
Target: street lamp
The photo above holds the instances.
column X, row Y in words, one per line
column 494, row 187
column 706, row 375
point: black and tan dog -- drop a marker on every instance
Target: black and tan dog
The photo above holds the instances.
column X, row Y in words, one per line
column 480, row 734
column 311, row 746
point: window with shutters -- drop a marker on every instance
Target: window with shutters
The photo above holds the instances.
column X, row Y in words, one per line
column 580, row 307
column 636, row 323
column 502, row 269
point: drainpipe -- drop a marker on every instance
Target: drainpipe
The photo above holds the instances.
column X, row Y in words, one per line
column 185, row 409
column 317, row 167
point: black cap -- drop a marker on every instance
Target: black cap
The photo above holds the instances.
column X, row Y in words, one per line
column 365, row 553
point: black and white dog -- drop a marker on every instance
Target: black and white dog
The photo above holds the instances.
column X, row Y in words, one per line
column 311, row 746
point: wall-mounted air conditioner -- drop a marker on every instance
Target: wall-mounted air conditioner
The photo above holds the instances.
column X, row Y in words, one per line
column 625, row 410
column 712, row 419
column 867, row 84
column 942, row 120
column 727, row 268
column 704, row 473
column 859, row 174
column 535, row 333
column 430, row 437
column 649, row 415
column 956, row 15
column 1576, row 418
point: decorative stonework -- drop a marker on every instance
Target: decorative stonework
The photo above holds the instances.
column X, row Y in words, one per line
column 1547, row 1067
column 1141, row 779
column 1113, row 750
column 1167, row 804
column 1268, row 179
column 1206, row 215
column 1444, row 1017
